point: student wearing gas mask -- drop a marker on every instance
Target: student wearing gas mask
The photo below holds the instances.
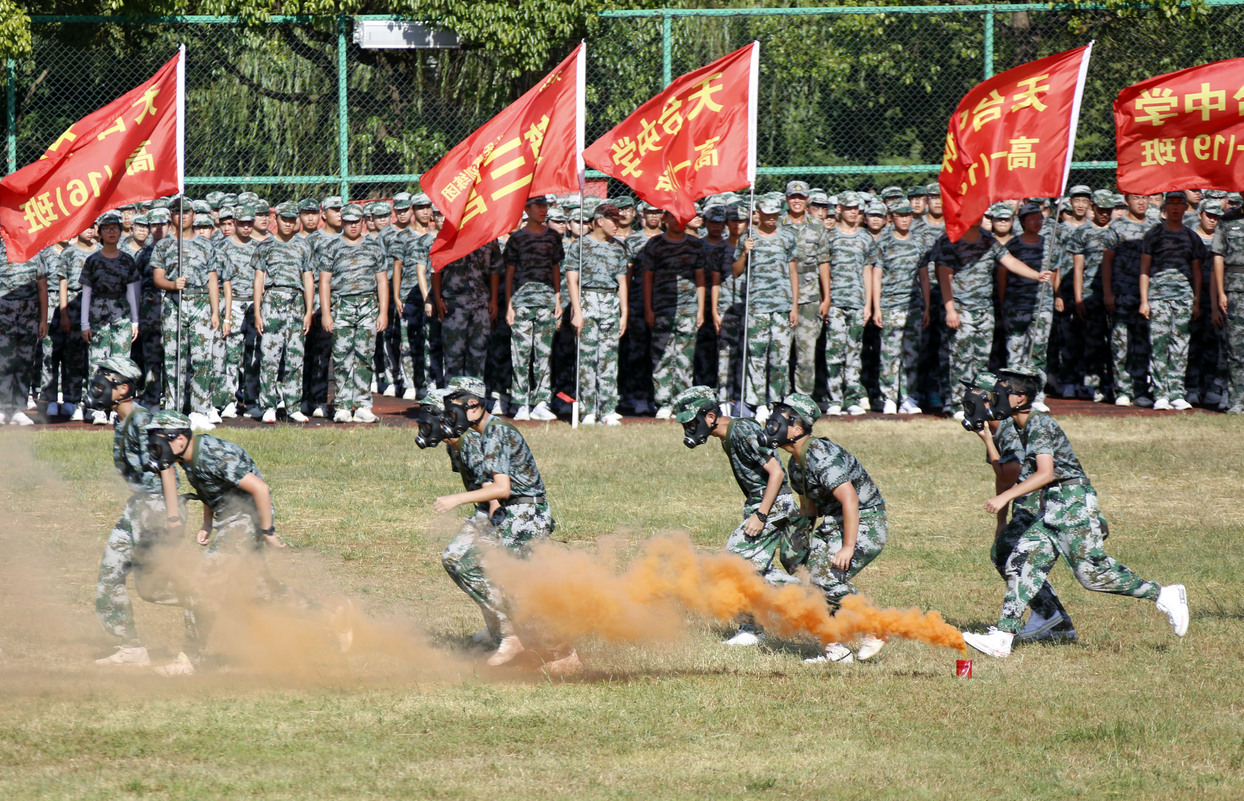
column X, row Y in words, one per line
column 238, row 520
column 832, row 485
column 773, row 531
column 1067, row 523
column 1004, row 452
column 150, row 525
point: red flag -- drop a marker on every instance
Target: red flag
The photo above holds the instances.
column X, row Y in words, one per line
column 694, row 139
column 1011, row 137
column 533, row 147
column 129, row 150
column 1182, row 130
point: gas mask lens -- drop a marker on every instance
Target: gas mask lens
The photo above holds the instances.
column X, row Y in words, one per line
column 454, row 423
column 776, row 431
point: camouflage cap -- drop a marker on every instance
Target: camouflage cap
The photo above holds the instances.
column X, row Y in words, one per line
column 127, row 207
column 309, row 204
column 692, row 400
column 466, row 385
column 1025, row 372
column 1000, row 211
column 715, row 214
column 201, row 207
column 902, row 207
column 1080, row 189
column 817, row 197
column 848, row 200
column 892, row 193
column 1103, row 199
column 420, row 200
column 160, row 203
column 876, row 208
column 917, row 191
column 381, row 208
column 331, row 202
column 624, row 202
column 287, row 210
column 108, row 218
column 168, row 420
column 141, row 219
column 1215, row 194
column 736, row 212
column 1235, row 197
column 1119, row 200
column 985, row 381
column 933, row 190
column 247, row 197
column 797, row 188
column 225, row 213
column 229, row 199
column 244, row 213
column 558, row 215
column 646, row 208
column 261, row 207
column 203, row 221
column 436, row 398
column 803, row 406
column 768, row 205
column 122, row 366
column 352, row 213
column 401, row 201
column 1212, row 207
column 159, row 217
column 603, row 210
column 214, row 198
column 590, row 204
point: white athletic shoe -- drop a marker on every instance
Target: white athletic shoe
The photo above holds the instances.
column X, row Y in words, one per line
column 834, row 652
column 269, row 416
column 497, row 407
column 889, row 407
column 1173, row 600
column 343, row 416
column 74, row 412
column 664, row 413
column 1161, row 405
column 319, row 411
column 866, row 404
column 909, row 406
column 542, row 413
column 97, row 418
column 3, row 418
column 588, row 420
column 409, row 394
column 22, row 419
column 1038, row 627
column 1038, row 405
column 53, row 410
column 869, row 646
column 855, row 410
column 374, row 388
column 1098, row 396
column 1144, row 403
column 993, row 642
column 390, row 391
column 365, row 416
column 523, row 413
column 1122, row 400
column 1180, row 405
column 957, row 416
column 199, row 422
column 181, row 666
column 229, row 412
column 745, row 637
column 762, row 414
column 612, row 419
column 127, row 655
column 297, row 417
column 213, row 416
column 834, row 411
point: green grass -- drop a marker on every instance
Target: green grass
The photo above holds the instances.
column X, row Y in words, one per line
column 1130, row 712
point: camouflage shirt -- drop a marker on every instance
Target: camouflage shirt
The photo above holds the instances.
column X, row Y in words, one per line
column 1089, row 241
column 215, row 470
column 770, row 271
column 604, row 264
column 1170, row 273
column 972, row 265
column 416, row 250
column 533, row 257
column 467, row 282
column 675, row 267
column 1229, row 242
column 1020, row 290
column 813, row 251
column 825, row 467
column 636, row 241
column 719, row 257
column 129, row 452
column 234, row 264
column 20, row 281
column 283, row 264
column 317, row 240
column 1043, row 435
column 197, row 260
column 467, row 460
column 69, row 269
column 48, row 261
column 849, row 254
column 109, row 278
column 1124, row 240
column 747, row 461
column 506, row 453
column 1010, row 449
column 901, row 261
column 354, row 267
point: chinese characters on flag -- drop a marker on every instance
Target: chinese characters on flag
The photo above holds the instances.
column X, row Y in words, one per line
column 1182, row 130
column 1011, row 137
column 694, row 139
column 127, row 151
column 531, row 148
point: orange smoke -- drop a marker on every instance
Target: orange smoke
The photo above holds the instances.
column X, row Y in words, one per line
column 570, row 594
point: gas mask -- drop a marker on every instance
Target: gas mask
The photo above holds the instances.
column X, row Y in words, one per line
column 160, row 455
column 777, row 428
column 696, row 431
column 977, row 408
column 99, row 391
column 431, row 432
column 1004, row 409
column 454, row 423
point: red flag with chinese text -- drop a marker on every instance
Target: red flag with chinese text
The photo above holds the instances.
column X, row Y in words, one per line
column 1182, row 130
column 694, row 139
column 126, row 152
column 1012, row 137
column 533, row 147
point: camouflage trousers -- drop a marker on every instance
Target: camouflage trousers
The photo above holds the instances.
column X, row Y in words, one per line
column 19, row 334
column 111, row 332
column 1084, row 356
column 354, row 336
column 768, row 344
column 969, row 348
column 464, row 336
column 1233, row 325
column 1169, row 322
column 844, row 342
column 1045, row 602
column 1027, row 324
column 388, row 359
column 64, row 363
column 317, row 365
column 531, row 346
column 137, row 546
column 419, row 346
column 235, row 359
column 149, row 349
column 807, row 333
column 598, row 353
column 900, row 343
column 827, row 540
column 1207, row 356
column 729, row 348
column 281, row 350
column 781, row 546
column 673, row 354
column 195, row 365
column 1068, row 524
column 1129, row 351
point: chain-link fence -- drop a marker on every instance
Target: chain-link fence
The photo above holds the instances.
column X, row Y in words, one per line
column 850, row 97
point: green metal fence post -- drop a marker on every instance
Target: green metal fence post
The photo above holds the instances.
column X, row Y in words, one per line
column 666, row 65
column 988, row 47
column 343, row 121
column 10, row 81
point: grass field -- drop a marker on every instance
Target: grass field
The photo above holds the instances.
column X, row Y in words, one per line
column 1129, row 712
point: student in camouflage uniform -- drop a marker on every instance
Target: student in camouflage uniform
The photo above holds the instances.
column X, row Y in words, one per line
column 634, row 351
column 1027, row 305
column 598, row 312
column 393, row 239
column 673, row 265
column 773, row 534
column 813, row 300
column 465, row 296
column 47, row 366
column 354, row 299
column 1228, row 309
column 23, row 322
column 523, row 516
column 1207, row 355
column 1129, row 331
column 417, row 347
column 235, row 352
column 533, row 257
column 317, row 364
column 151, row 527
column 282, row 267
column 1089, row 330
column 900, row 308
column 1170, row 297
column 110, row 285
column 852, row 257
column 191, row 303
column 768, row 258
column 73, row 348
column 1067, row 523
column 729, row 289
column 832, row 485
column 150, row 345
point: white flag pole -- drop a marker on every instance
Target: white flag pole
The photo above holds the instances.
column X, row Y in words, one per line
column 178, row 401
column 579, row 112
column 753, row 82
column 1075, row 115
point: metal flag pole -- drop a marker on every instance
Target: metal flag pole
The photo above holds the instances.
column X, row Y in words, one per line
column 181, row 230
column 580, row 103
column 747, row 297
column 578, row 339
column 1051, row 244
column 181, row 206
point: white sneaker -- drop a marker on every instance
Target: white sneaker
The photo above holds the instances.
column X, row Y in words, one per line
column 855, row 410
column 664, row 413
column 866, row 404
column 199, row 422
column 889, row 407
column 1180, row 405
column 297, row 417
column 365, row 416
column 390, row 391
column 523, row 413
column 22, row 419
column 269, row 416
column 909, row 406
column 1037, row 627
column 613, row 419
column 97, row 418
column 343, row 416
column 1144, row 403
column 762, row 414
column 1160, row 405
column 745, row 637
column 993, row 642
column 1193, row 397
column 834, row 652
column 541, row 412
column 374, row 388
column 229, row 412
column 127, row 655
column 1039, row 406
column 1173, row 600
column 834, row 411
column 3, row 418
column 74, row 412
column 957, row 416
column 869, row 646
column 52, row 410
column 182, row 666
column 213, row 416
column 589, row 420
column 497, row 407
column 1122, row 400
column 1098, row 396
column 409, row 394
column 31, row 403
column 319, row 411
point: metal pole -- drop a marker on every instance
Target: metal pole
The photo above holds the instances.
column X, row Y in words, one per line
column 181, row 231
column 747, row 312
column 343, row 121
column 666, row 66
column 988, row 45
column 1051, row 244
column 578, row 339
column 10, row 72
